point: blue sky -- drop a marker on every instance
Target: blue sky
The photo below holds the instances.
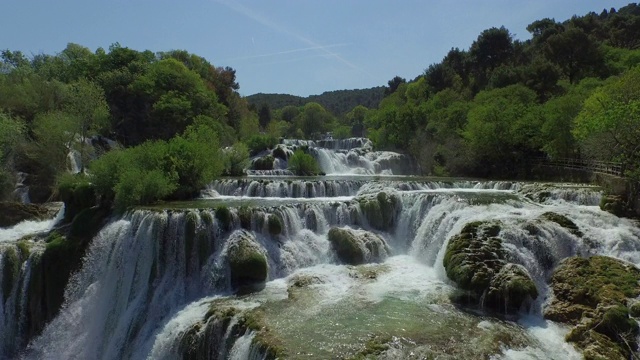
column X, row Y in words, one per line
column 298, row 47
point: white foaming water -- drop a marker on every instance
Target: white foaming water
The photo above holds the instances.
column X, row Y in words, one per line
column 166, row 343
column 144, row 277
column 29, row 227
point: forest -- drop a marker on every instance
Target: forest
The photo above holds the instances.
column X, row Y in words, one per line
column 177, row 121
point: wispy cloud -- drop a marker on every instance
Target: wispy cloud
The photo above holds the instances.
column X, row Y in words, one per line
column 289, row 52
column 239, row 8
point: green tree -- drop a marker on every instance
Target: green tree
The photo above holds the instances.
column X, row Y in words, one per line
column 314, row 120
column 575, row 53
column 608, row 126
column 11, row 135
column 87, row 105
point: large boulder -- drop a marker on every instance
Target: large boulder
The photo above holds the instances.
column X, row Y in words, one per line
column 563, row 221
column 248, row 264
column 381, row 210
column 594, row 295
column 355, row 247
column 476, row 261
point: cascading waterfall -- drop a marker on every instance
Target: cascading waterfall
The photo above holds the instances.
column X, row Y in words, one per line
column 354, row 156
column 160, row 283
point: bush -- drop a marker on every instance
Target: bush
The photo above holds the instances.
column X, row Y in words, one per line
column 303, row 164
column 76, row 192
column 236, row 159
column 159, row 170
column 259, row 143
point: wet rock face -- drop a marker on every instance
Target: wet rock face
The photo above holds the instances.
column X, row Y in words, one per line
column 595, row 294
column 616, row 206
column 247, row 261
column 12, row 213
column 355, row 247
column 476, row 261
column 562, row 221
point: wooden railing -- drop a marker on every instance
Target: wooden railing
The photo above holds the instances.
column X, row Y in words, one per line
column 602, row 167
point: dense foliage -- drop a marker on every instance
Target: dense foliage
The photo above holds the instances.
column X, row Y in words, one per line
column 171, row 112
column 569, row 91
column 338, row 102
column 303, row 164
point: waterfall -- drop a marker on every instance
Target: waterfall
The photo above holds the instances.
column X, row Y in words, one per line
column 161, row 283
column 30, row 227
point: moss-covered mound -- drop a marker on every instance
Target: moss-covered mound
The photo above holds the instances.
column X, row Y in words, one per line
column 562, row 221
column 263, row 163
column 616, row 205
column 594, row 294
column 222, row 326
column 355, row 247
column 224, row 217
column 247, row 261
column 475, row 260
column 12, row 213
column 275, row 225
column 77, row 194
column 381, row 210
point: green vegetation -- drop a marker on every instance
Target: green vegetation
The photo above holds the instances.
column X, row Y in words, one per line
column 594, row 295
column 174, row 104
column 571, row 90
column 337, row 102
column 303, row 164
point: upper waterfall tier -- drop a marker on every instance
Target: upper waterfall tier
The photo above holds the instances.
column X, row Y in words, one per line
column 336, row 186
column 335, row 157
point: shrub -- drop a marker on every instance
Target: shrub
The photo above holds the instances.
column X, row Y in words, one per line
column 236, row 159
column 303, row 164
column 76, row 192
column 158, row 170
column 259, row 143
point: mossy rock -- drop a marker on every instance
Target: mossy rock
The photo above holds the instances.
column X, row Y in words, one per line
column 263, row 163
column 266, row 340
column 12, row 213
column 245, row 214
column 279, row 153
column 247, row 261
column 473, row 258
column 381, row 211
column 511, row 288
column 11, row 262
column 592, row 294
column 562, row 221
column 224, row 217
column 355, row 247
column 274, row 224
column 616, row 205
column 476, row 261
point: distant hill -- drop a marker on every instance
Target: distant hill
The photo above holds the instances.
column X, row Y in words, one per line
column 337, row 102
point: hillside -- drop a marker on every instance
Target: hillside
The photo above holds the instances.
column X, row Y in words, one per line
column 337, row 102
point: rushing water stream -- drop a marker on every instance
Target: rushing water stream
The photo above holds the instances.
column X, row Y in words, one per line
column 152, row 278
